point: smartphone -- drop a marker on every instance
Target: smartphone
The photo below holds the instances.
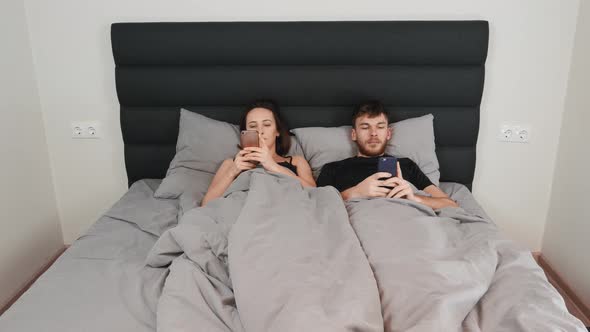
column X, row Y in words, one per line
column 387, row 164
column 249, row 138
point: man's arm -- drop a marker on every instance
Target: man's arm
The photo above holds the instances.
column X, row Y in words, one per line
column 348, row 193
column 402, row 189
column 326, row 177
column 369, row 187
column 438, row 200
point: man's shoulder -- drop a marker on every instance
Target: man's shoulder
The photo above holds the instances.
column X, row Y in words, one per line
column 339, row 163
column 405, row 161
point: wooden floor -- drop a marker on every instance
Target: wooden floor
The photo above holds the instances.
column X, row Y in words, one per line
column 575, row 306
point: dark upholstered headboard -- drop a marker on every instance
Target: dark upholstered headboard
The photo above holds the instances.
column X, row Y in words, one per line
column 316, row 71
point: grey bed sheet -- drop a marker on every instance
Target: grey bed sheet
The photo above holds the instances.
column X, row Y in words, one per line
column 273, row 256
column 101, row 283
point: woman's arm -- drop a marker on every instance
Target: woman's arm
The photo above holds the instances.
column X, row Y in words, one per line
column 221, row 181
column 225, row 175
column 304, row 171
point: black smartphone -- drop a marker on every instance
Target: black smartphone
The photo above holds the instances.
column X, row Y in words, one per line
column 387, row 164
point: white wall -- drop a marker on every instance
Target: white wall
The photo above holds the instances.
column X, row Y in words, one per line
column 529, row 57
column 566, row 242
column 29, row 225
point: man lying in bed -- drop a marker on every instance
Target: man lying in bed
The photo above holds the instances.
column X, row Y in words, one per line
column 358, row 176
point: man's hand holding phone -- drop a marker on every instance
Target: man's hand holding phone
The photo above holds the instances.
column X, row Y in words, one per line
column 372, row 186
column 401, row 188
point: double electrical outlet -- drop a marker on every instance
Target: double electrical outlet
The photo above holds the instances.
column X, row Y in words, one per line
column 85, row 129
column 514, row 133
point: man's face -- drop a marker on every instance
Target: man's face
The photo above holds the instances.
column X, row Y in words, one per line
column 371, row 135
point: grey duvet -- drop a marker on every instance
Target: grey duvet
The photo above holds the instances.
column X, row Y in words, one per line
column 273, row 256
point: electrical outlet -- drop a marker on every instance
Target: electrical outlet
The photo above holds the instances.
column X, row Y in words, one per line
column 514, row 133
column 523, row 134
column 85, row 130
column 506, row 133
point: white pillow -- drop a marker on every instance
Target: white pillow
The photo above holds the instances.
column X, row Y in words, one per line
column 412, row 138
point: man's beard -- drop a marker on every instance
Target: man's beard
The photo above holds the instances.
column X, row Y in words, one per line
column 371, row 153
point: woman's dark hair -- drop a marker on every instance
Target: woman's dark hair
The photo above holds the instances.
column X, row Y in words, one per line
column 371, row 108
column 283, row 141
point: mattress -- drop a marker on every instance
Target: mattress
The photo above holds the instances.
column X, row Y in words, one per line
column 101, row 283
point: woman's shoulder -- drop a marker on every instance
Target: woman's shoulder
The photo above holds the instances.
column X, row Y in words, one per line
column 298, row 160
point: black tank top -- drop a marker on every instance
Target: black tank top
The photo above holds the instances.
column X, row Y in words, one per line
column 289, row 165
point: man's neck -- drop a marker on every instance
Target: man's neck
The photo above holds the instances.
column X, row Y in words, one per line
column 360, row 155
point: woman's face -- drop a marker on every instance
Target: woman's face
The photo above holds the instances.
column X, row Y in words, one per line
column 263, row 121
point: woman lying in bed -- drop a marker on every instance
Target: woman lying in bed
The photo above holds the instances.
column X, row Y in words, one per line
column 274, row 142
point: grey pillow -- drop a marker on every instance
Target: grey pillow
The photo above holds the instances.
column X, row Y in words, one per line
column 323, row 145
column 202, row 146
column 204, row 143
column 412, row 138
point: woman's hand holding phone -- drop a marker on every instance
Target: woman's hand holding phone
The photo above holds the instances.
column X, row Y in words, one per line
column 261, row 154
column 241, row 163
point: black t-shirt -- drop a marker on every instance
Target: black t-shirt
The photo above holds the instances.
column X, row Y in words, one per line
column 349, row 172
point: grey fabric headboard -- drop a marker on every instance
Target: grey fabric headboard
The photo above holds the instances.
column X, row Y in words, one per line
column 316, row 71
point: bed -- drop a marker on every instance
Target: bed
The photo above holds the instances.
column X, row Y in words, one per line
column 316, row 71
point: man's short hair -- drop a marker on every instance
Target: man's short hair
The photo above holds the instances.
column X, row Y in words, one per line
column 370, row 108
